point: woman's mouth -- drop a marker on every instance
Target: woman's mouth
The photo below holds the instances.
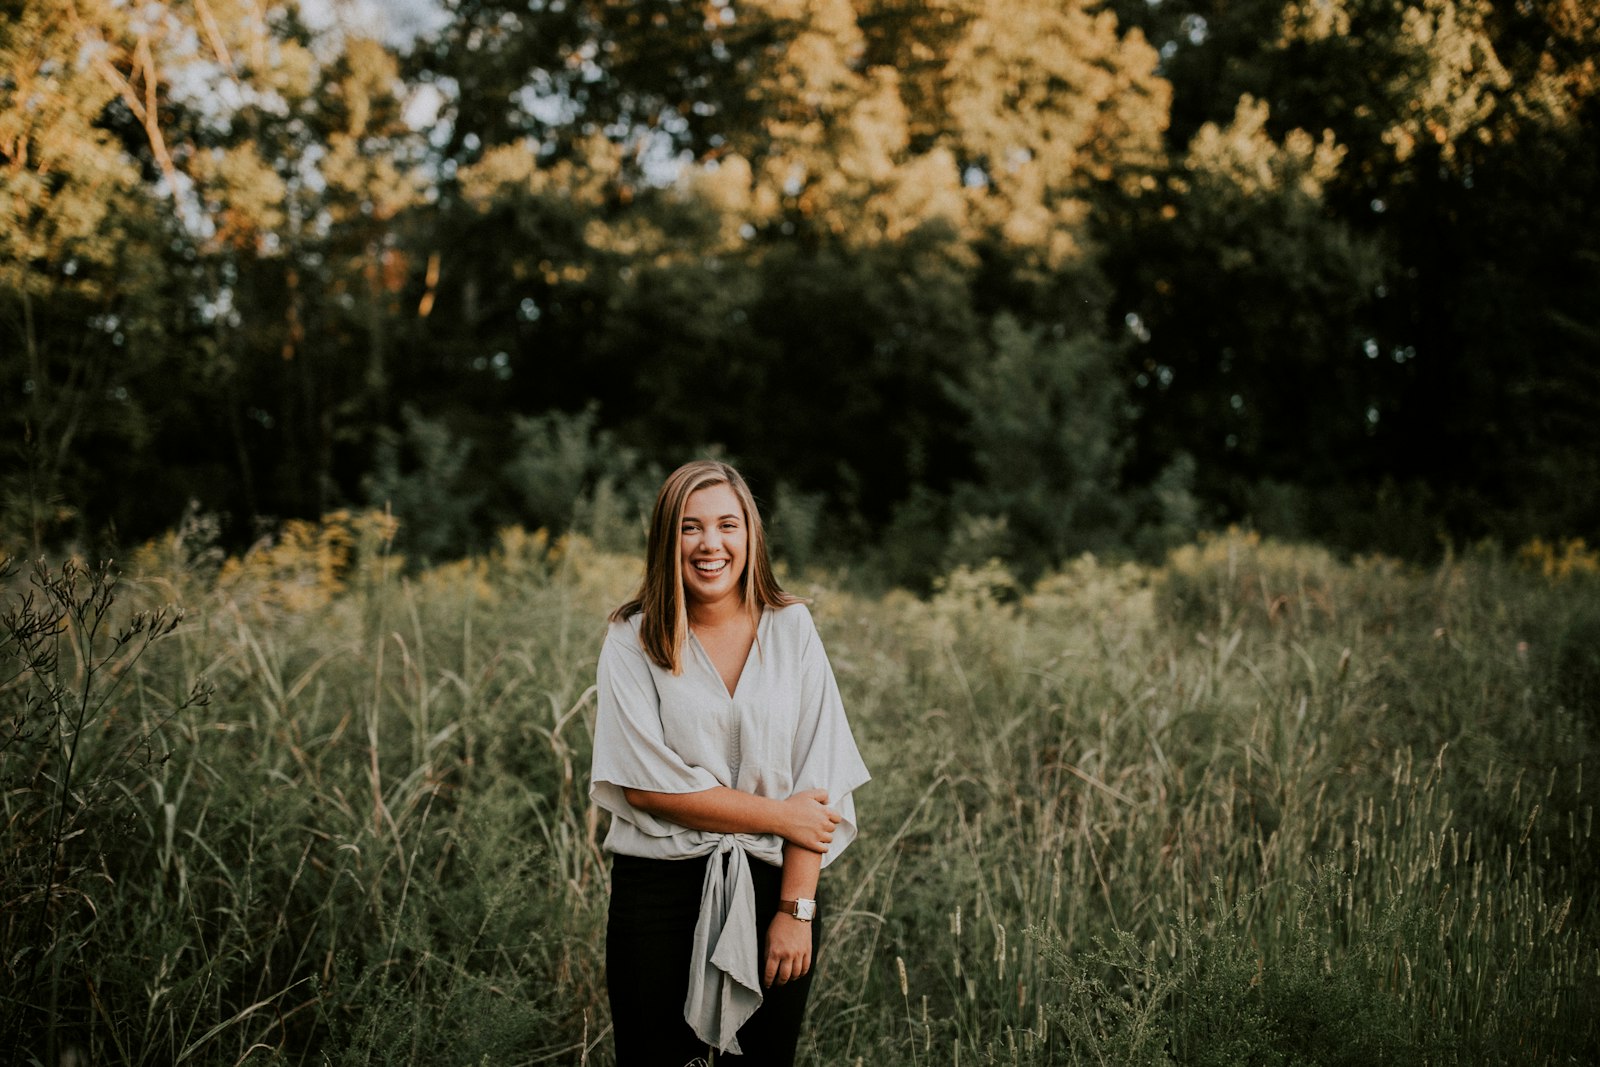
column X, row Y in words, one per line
column 711, row 568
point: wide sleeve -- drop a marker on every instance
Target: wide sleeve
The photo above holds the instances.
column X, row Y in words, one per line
column 825, row 754
column 630, row 751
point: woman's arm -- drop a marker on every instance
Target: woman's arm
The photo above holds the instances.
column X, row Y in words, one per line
column 804, row 820
column 788, row 954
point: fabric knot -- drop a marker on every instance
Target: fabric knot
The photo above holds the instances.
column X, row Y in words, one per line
column 725, row 966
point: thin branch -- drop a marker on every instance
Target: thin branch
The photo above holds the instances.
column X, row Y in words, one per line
column 152, row 125
column 146, row 110
column 213, row 33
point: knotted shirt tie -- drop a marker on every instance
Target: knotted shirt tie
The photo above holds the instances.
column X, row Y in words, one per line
column 725, row 965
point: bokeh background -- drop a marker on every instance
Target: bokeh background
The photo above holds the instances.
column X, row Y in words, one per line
column 1180, row 414
column 950, row 279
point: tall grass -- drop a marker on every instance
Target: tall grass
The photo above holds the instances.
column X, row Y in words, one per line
column 1256, row 806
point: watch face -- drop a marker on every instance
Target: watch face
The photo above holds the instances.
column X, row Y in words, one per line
column 805, row 909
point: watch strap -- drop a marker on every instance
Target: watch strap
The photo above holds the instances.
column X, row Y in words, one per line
column 793, row 907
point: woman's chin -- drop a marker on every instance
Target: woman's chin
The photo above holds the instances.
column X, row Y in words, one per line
column 710, row 592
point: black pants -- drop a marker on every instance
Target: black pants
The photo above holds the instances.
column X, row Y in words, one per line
column 649, row 936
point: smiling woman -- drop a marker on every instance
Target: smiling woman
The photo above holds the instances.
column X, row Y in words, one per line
column 723, row 755
column 713, row 542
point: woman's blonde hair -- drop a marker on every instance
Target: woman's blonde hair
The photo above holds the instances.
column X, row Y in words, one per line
column 665, row 626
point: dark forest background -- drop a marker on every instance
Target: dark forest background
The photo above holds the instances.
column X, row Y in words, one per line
column 951, row 278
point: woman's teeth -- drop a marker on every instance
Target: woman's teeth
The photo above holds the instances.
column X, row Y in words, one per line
column 713, row 568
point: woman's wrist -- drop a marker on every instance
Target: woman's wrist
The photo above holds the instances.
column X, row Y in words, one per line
column 777, row 818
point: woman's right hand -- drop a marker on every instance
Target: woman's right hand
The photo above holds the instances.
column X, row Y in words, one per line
column 807, row 821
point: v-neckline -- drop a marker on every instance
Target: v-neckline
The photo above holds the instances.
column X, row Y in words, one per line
column 744, row 668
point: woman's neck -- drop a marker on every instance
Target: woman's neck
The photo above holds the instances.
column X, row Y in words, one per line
column 716, row 615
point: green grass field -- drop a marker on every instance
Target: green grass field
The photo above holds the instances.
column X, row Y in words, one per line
column 1257, row 806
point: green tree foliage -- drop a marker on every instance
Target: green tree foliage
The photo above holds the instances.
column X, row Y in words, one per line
column 1046, row 415
column 1245, row 289
column 1466, row 185
column 204, row 214
column 944, row 271
column 804, row 291
column 76, row 222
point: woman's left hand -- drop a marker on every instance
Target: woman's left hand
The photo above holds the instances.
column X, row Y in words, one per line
column 788, row 950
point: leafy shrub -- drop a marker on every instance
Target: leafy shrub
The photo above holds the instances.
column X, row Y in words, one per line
column 569, row 474
column 1237, row 577
column 1045, row 419
column 423, row 473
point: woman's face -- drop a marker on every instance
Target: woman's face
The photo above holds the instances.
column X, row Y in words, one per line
column 712, row 542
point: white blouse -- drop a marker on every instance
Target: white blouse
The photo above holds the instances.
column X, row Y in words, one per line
column 782, row 731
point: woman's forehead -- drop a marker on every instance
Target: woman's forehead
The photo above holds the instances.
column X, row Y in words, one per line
column 717, row 500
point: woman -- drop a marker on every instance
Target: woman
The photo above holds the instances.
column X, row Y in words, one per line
column 722, row 752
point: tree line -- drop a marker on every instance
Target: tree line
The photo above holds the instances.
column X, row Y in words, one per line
column 955, row 278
